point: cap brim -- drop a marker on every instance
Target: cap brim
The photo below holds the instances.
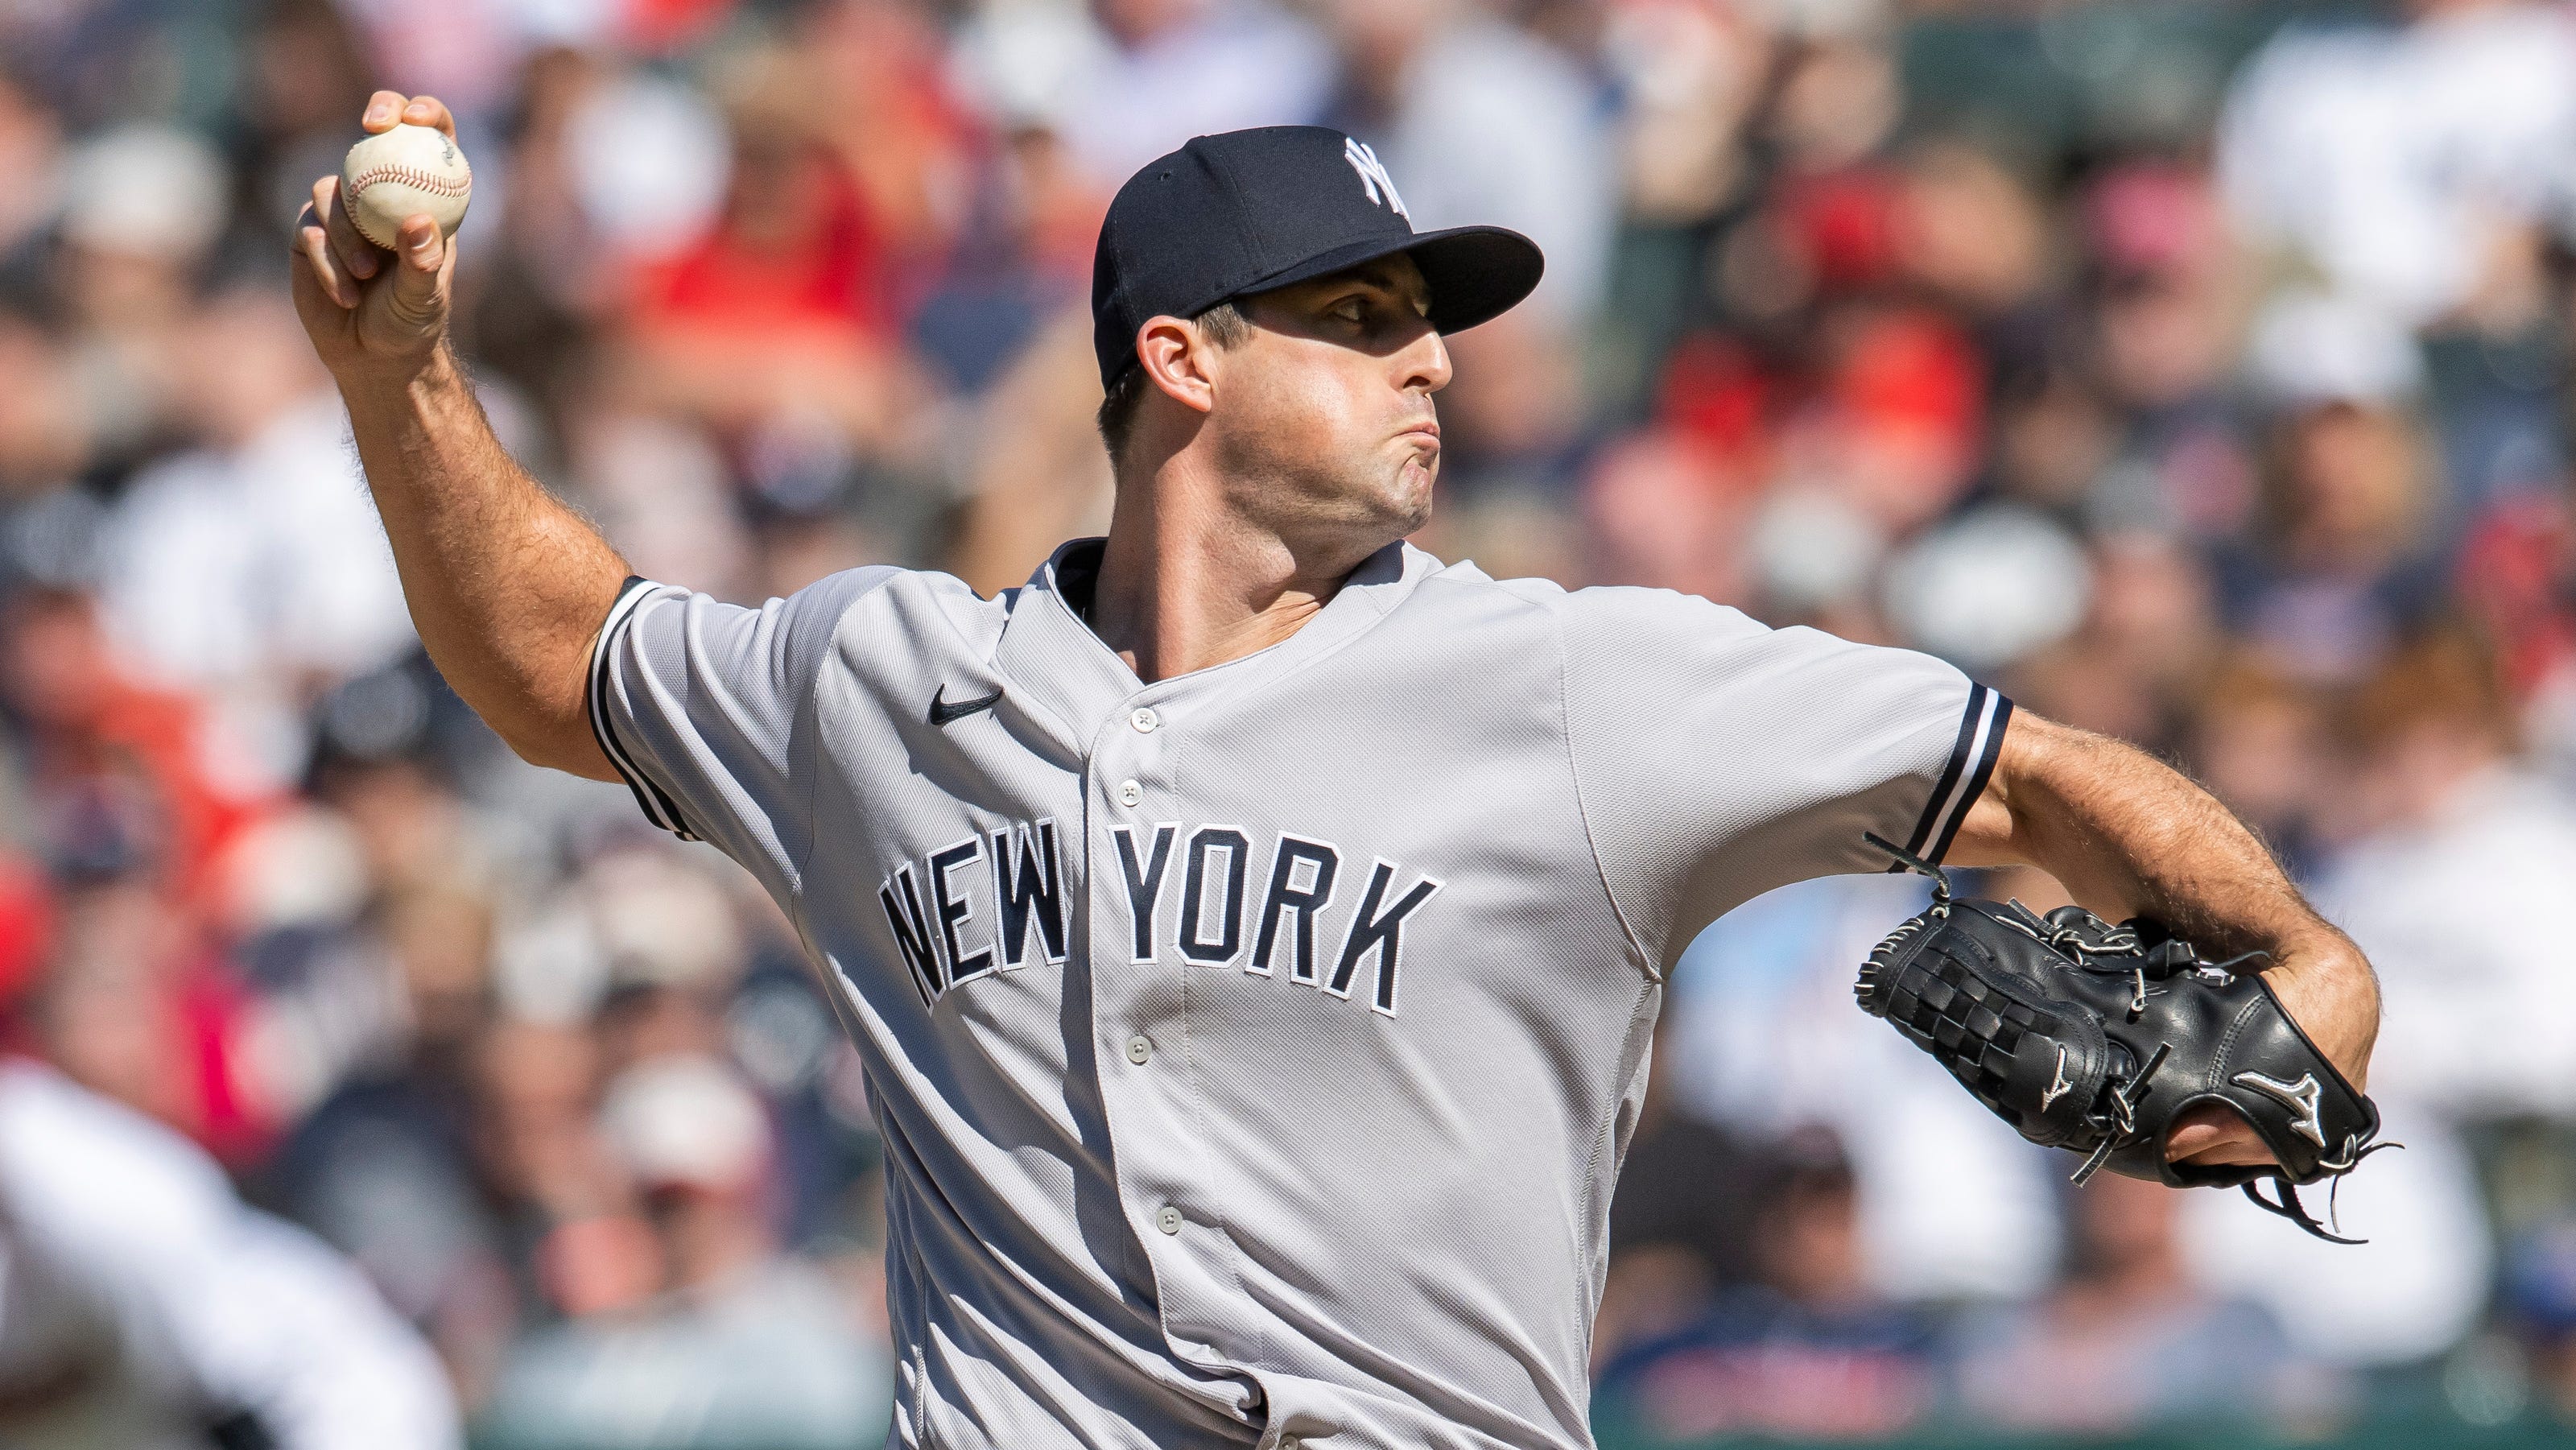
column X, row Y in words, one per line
column 1475, row 274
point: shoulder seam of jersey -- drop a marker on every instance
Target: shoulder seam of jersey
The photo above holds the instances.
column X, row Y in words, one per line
column 1964, row 776
column 657, row 806
column 1486, row 583
column 1574, row 777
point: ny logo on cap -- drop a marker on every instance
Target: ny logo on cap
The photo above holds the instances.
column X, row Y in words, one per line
column 1373, row 175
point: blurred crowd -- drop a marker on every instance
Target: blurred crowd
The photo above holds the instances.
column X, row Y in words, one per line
column 2196, row 372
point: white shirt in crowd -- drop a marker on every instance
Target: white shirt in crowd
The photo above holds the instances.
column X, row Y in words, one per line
column 2387, row 157
column 2454, row 913
column 141, row 1303
column 240, row 575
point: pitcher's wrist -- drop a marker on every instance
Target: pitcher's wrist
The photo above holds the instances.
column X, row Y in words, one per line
column 2328, row 989
column 399, row 385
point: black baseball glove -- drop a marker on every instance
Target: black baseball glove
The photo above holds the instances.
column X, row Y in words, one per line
column 2096, row 1038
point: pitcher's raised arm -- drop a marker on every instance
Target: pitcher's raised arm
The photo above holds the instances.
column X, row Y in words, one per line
column 507, row 585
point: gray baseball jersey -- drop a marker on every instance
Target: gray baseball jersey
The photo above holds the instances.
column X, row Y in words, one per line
column 1255, row 1049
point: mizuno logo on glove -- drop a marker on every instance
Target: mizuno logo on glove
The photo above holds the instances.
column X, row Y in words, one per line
column 2307, row 1095
column 2059, row 1088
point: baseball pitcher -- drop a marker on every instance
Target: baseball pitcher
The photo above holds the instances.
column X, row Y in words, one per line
column 1254, row 927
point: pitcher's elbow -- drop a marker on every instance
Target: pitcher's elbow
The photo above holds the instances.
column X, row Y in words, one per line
column 556, row 743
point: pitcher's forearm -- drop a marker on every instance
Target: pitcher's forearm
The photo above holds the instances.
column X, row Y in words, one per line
column 506, row 584
column 2128, row 835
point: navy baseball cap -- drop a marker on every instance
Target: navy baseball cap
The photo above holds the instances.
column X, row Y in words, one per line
column 1247, row 211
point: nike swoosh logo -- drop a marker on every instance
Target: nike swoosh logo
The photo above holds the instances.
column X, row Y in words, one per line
column 943, row 713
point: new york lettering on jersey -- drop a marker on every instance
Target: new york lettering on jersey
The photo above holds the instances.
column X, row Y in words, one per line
column 995, row 902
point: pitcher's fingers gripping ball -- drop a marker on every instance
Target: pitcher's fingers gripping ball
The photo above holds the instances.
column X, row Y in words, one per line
column 2097, row 1038
column 409, row 171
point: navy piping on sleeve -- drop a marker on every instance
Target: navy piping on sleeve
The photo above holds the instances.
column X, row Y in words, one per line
column 1963, row 779
column 657, row 806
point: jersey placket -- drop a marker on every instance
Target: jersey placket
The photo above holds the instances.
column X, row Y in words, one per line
column 1133, row 737
column 1140, row 1023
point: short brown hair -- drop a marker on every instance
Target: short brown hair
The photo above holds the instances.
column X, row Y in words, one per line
column 2443, row 676
column 1224, row 324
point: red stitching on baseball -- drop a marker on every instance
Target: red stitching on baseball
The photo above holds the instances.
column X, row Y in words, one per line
column 411, row 176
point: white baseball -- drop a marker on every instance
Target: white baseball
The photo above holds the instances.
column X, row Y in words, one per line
column 406, row 172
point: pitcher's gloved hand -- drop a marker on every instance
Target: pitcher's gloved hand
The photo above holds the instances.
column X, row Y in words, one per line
column 2096, row 1038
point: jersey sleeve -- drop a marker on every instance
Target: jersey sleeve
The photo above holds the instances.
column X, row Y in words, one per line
column 1717, row 758
column 706, row 710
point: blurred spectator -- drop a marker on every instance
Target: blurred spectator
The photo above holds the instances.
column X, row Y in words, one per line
column 1895, row 418
column 2401, row 162
column 1977, row 234
column 136, row 1007
column 1484, row 122
column 1804, row 1352
column 2458, row 838
column 147, row 1308
column 1990, row 587
column 120, row 779
column 2516, row 579
column 463, row 52
column 2148, row 639
column 2458, row 831
column 2540, row 1300
column 371, row 1009
column 2342, row 557
column 2262, row 742
column 253, row 569
column 45, row 433
column 1124, row 81
column 1694, row 75
column 785, row 302
column 2159, row 343
column 744, row 1346
column 2415, row 1289
column 30, row 160
column 302, row 79
column 1039, row 473
column 1669, row 510
column 2127, row 1341
column 142, row 207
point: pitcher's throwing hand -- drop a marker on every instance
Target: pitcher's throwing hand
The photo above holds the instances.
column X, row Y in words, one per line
column 369, row 309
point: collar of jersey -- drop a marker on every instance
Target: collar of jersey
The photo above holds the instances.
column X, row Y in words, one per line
column 1050, row 658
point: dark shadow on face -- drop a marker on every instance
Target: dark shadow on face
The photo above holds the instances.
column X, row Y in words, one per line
column 1377, row 307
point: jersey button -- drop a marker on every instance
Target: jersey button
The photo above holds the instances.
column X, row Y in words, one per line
column 1130, row 793
column 1168, row 1220
column 1144, row 720
column 1138, row 1049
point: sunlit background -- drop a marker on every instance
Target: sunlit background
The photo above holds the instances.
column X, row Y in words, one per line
column 2193, row 371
